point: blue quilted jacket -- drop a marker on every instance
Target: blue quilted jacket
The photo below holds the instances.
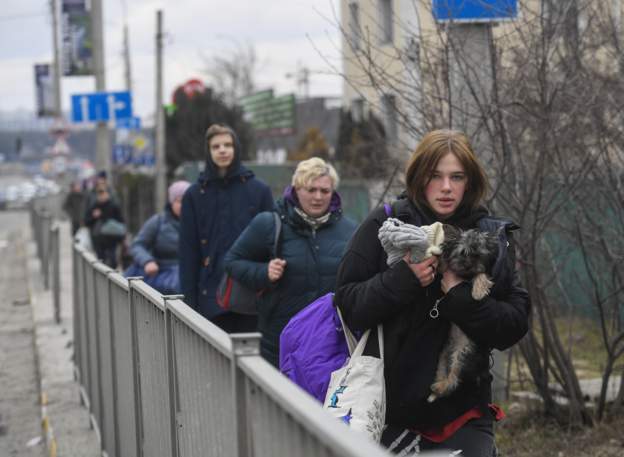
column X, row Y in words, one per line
column 312, row 258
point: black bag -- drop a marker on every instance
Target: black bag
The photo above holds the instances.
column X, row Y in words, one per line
column 110, row 228
column 237, row 298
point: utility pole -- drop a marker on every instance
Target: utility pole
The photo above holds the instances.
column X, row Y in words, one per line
column 160, row 119
column 102, row 139
column 471, row 72
column 413, row 80
column 56, row 64
column 126, row 55
column 471, row 80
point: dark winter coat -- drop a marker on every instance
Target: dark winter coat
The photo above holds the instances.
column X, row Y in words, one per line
column 312, row 259
column 74, row 206
column 369, row 292
column 110, row 210
column 215, row 211
column 157, row 240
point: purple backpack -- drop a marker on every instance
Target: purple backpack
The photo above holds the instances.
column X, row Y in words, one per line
column 312, row 345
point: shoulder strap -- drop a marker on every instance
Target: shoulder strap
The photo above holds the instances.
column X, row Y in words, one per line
column 278, row 230
column 356, row 348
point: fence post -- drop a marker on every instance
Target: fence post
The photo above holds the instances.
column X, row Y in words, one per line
column 243, row 345
column 56, row 272
column 138, row 407
column 172, row 372
column 46, row 219
column 77, row 285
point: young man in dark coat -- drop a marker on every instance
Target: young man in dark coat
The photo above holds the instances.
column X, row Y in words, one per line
column 215, row 211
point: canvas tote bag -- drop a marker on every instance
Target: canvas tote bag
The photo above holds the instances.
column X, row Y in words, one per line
column 357, row 391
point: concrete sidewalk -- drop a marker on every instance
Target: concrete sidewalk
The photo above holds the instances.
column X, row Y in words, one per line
column 65, row 420
column 20, row 429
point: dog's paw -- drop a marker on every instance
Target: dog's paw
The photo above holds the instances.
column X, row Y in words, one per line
column 440, row 388
column 481, row 286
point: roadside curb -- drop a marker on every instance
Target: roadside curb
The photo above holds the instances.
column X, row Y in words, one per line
column 46, row 423
column 48, row 430
column 65, row 422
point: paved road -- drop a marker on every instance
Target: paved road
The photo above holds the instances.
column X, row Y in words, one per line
column 36, row 353
column 20, row 413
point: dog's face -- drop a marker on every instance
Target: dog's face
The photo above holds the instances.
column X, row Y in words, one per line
column 468, row 253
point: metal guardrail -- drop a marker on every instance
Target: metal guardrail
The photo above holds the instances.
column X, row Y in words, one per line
column 160, row 380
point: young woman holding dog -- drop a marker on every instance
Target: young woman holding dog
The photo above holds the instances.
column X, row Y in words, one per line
column 445, row 183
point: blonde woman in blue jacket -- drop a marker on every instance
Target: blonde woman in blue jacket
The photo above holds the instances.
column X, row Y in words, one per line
column 313, row 237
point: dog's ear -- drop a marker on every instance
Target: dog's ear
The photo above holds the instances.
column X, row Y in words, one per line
column 450, row 232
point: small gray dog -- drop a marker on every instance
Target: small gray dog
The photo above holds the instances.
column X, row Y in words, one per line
column 470, row 255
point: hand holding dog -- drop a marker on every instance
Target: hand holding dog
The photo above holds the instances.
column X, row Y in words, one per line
column 425, row 270
column 449, row 280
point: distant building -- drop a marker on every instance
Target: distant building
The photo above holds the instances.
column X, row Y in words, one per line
column 320, row 115
column 387, row 49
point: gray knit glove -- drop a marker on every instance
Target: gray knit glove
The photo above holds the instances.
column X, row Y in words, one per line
column 397, row 238
column 422, row 242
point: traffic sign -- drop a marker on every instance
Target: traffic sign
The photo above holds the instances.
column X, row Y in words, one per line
column 122, row 154
column 475, row 10
column 101, row 106
column 129, row 123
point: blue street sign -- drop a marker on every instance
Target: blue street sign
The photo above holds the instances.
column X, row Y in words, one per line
column 101, row 106
column 146, row 159
column 475, row 10
column 122, row 154
column 129, row 123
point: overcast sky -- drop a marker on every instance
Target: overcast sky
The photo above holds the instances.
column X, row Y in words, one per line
column 284, row 33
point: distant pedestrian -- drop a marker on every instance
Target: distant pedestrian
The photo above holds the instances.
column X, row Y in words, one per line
column 215, row 210
column 99, row 213
column 313, row 238
column 74, row 205
column 101, row 182
column 155, row 248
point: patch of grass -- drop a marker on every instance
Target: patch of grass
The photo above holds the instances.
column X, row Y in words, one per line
column 530, row 435
column 582, row 337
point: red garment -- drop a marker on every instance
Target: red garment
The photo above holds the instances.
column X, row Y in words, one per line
column 441, row 434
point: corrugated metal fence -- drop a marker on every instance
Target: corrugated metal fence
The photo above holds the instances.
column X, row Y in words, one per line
column 160, row 380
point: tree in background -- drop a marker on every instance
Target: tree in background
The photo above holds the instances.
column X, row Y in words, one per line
column 362, row 151
column 187, row 123
column 231, row 73
column 311, row 144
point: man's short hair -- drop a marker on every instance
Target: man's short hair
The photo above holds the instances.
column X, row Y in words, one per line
column 217, row 129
